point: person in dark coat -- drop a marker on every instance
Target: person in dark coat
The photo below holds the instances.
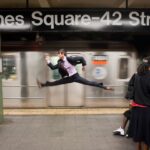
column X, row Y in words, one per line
column 129, row 96
column 66, row 67
column 139, row 127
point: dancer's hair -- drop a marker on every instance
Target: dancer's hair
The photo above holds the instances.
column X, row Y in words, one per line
column 62, row 51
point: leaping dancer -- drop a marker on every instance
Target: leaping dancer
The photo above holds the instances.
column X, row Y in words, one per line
column 66, row 66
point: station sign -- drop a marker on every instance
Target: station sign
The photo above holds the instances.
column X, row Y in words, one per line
column 99, row 60
column 75, row 20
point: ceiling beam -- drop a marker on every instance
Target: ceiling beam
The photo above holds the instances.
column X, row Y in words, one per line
column 44, row 3
column 123, row 4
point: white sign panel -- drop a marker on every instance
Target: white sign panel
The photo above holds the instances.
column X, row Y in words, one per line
column 99, row 73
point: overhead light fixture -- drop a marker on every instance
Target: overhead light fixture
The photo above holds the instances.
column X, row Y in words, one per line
column 15, row 27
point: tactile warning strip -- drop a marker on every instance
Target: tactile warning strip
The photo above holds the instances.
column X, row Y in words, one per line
column 83, row 111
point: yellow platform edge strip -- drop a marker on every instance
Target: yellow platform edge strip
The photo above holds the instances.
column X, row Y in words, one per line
column 91, row 111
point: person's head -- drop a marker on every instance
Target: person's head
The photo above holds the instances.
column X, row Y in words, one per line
column 146, row 59
column 61, row 53
column 143, row 69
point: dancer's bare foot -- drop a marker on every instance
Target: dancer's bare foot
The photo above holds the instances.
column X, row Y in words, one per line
column 108, row 88
column 38, row 83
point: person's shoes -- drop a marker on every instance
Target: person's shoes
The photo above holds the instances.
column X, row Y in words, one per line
column 119, row 131
column 127, row 136
column 38, row 83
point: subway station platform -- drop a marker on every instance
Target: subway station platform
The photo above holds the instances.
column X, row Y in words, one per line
column 62, row 131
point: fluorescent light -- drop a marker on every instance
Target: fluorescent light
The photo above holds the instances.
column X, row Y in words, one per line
column 15, row 27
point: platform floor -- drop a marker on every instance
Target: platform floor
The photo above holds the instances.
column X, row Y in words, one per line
column 62, row 132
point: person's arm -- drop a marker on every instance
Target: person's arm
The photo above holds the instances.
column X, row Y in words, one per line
column 78, row 60
column 53, row 67
column 48, row 61
column 130, row 90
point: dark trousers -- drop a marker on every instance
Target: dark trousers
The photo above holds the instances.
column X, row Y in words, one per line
column 75, row 78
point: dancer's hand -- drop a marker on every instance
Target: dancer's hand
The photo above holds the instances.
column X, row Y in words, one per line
column 38, row 83
column 47, row 58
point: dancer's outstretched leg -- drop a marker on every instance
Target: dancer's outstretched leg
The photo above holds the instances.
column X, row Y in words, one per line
column 54, row 83
column 82, row 80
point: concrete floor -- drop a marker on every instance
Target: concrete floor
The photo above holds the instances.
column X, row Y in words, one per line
column 62, row 132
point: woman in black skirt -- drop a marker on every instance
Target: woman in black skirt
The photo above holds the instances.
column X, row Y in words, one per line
column 139, row 128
